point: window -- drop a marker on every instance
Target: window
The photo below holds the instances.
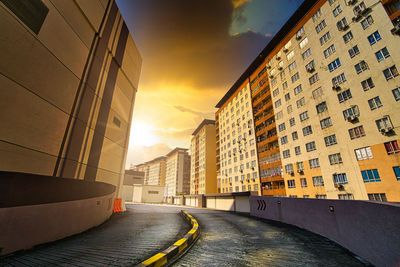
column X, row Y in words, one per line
column 337, row 10
column 281, row 127
column 368, row 21
column 310, row 146
column 363, row 153
column 278, row 103
column 367, row 84
column 284, row 85
column 289, row 168
column 292, row 122
column 321, row 107
column 373, row 38
column 347, row 37
column 304, row 116
column 326, row 123
column 342, row 24
column 284, row 140
column 291, row 183
column 286, row 154
column 320, row 196
column 396, row 93
column 317, row 92
column 301, row 102
column 331, row 2
column 360, row 67
column 303, row 182
column 340, row 178
column 334, row 65
column 335, row 159
column 287, row 97
column 307, row 130
column 377, row 197
column 346, row 196
column 295, row 136
column 297, row 89
column 310, row 67
column 351, row 113
column 320, row 26
column 343, row 96
column 306, row 53
column 356, row 132
column 282, row 74
column 249, row 187
column 396, row 170
column 382, row 54
column 314, row 163
column 370, row 176
column 318, row 181
column 274, row 81
column 329, row 51
column 359, row 8
column 330, row 140
column 354, row 51
column 31, row 13
column 297, row 150
column 375, row 103
column 384, row 125
column 289, row 109
column 316, row 15
column 325, row 38
column 290, row 55
column 392, row 147
column 391, row 72
column 303, row 43
column 255, row 187
column 292, row 66
column 300, row 33
column 275, row 92
column 338, row 79
column 279, row 115
column 313, row 79
column 295, row 77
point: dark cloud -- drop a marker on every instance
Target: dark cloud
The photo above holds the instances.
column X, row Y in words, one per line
column 188, row 41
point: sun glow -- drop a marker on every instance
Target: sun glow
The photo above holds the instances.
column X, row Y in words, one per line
column 142, row 134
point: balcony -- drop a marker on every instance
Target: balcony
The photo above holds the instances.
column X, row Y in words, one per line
column 274, row 192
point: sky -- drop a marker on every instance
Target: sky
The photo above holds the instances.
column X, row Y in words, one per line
column 193, row 51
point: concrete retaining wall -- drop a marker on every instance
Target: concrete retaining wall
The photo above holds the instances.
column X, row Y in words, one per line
column 370, row 230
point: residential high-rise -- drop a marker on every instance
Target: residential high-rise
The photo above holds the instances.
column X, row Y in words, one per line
column 177, row 174
column 338, row 134
column 154, row 171
column 69, row 76
column 203, row 159
column 237, row 164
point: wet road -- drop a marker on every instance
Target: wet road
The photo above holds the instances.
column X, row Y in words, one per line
column 233, row 240
column 125, row 239
column 226, row 240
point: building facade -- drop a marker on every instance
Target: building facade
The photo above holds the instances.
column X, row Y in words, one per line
column 70, row 73
column 237, row 163
column 203, row 173
column 155, row 171
column 177, row 175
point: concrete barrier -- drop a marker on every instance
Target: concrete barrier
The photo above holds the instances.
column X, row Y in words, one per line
column 369, row 229
column 37, row 209
column 173, row 252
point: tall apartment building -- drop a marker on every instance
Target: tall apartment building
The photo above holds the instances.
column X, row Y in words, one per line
column 334, row 80
column 154, row 171
column 203, row 173
column 237, row 163
column 69, row 76
column 177, row 175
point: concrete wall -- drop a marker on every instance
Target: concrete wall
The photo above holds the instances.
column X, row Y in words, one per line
column 238, row 202
column 368, row 229
column 148, row 194
column 127, row 193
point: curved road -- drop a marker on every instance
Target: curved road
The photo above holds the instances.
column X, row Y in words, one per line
column 226, row 239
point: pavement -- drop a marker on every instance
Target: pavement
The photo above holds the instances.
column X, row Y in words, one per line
column 226, row 239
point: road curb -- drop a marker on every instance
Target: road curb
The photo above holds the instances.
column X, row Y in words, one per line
column 180, row 247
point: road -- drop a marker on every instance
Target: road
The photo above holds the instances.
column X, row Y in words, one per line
column 226, row 239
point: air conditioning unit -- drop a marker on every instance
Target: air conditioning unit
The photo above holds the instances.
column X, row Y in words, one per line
column 252, row 168
column 254, row 179
column 343, row 27
column 386, row 129
column 291, row 172
column 336, row 87
column 338, row 185
column 285, row 50
column 396, row 30
column 298, row 36
column 278, row 57
column 280, row 68
column 268, row 67
column 365, row 10
column 248, row 180
column 310, row 69
column 351, row 118
column 241, row 181
column 300, row 170
column 351, row 2
column 357, row 16
column 271, row 76
column 241, row 170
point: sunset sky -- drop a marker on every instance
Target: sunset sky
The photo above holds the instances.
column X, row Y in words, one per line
column 193, row 51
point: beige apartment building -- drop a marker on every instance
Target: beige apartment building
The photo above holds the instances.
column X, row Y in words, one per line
column 177, row 173
column 154, row 171
column 237, row 163
column 203, row 173
column 333, row 73
column 69, row 76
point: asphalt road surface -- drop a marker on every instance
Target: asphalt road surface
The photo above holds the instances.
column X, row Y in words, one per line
column 226, row 239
